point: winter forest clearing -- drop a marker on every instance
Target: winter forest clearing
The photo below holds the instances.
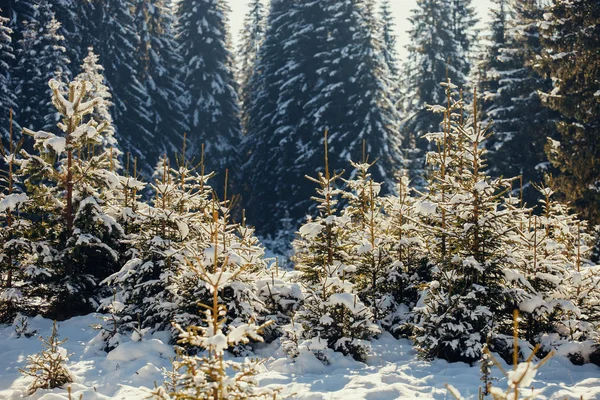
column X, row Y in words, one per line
column 303, row 215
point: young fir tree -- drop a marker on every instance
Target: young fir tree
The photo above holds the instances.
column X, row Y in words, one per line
column 156, row 284
column 252, row 37
column 159, row 72
column 410, row 269
column 570, row 42
column 205, row 375
column 333, row 315
column 93, row 72
column 577, row 312
column 208, row 77
column 48, row 368
column 436, row 53
column 41, row 57
column 7, row 93
column 157, row 231
column 379, row 278
column 467, row 221
column 517, row 147
column 74, row 242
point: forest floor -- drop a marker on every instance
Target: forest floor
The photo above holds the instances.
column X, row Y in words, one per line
column 393, row 370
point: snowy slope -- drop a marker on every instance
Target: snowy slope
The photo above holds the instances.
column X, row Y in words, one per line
column 392, row 371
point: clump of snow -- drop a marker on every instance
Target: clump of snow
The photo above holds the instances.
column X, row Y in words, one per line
column 138, row 350
column 12, row 201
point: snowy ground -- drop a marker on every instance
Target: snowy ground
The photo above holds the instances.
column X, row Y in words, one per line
column 392, row 372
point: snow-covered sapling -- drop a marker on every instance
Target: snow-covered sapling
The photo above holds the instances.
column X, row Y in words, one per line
column 48, row 367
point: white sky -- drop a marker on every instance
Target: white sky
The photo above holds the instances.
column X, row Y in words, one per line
column 401, row 10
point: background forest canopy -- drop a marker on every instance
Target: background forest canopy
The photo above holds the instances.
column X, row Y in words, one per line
column 260, row 110
column 472, row 192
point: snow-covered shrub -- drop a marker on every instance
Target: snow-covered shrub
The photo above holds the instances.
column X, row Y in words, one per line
column 282, row 297
column 48, row 368
column 206, row 375
column 156, row 284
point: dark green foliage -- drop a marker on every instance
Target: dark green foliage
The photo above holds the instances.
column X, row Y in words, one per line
column 208, row 77
column 511, row 103
column 571, row 58
column 441, row 38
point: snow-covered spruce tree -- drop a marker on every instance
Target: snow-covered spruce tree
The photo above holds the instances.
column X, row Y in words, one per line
column 71, row 15
column 281, row 83
column 208, row 77
column 378, row 282
column 542, row 267
column 159, row 71
column 156, row 238
column 13, row 244
column 74, row 241
column 93, row 72
column 551, row 253
column 111, row 31
column 41, row 57
column 436, row 54
column 573, row 281
column 7, row 93
column 490, row 63
column 466, row 222
column 333, row 315
column 411, row 269
column 316, row 70
column 48, row 368
column 252, row 37
column 156, row 284
column 205, row 375
column 571, row 43
column 233, row 247
column 354, row 93
column 389, row 43
column 517, row 146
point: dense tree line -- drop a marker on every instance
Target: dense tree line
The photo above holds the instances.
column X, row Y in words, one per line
column 310, row 67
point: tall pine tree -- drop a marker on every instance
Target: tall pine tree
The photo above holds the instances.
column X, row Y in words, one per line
column 158, row 73
column 440, row 42
column 111, row 32
column 7, row 95
column 321, row 68
column 389, row 39
column 511, row 101
column 208, row 76
column 41, row 57
column 571, row 57
column 277, row 131
column 252, row 37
